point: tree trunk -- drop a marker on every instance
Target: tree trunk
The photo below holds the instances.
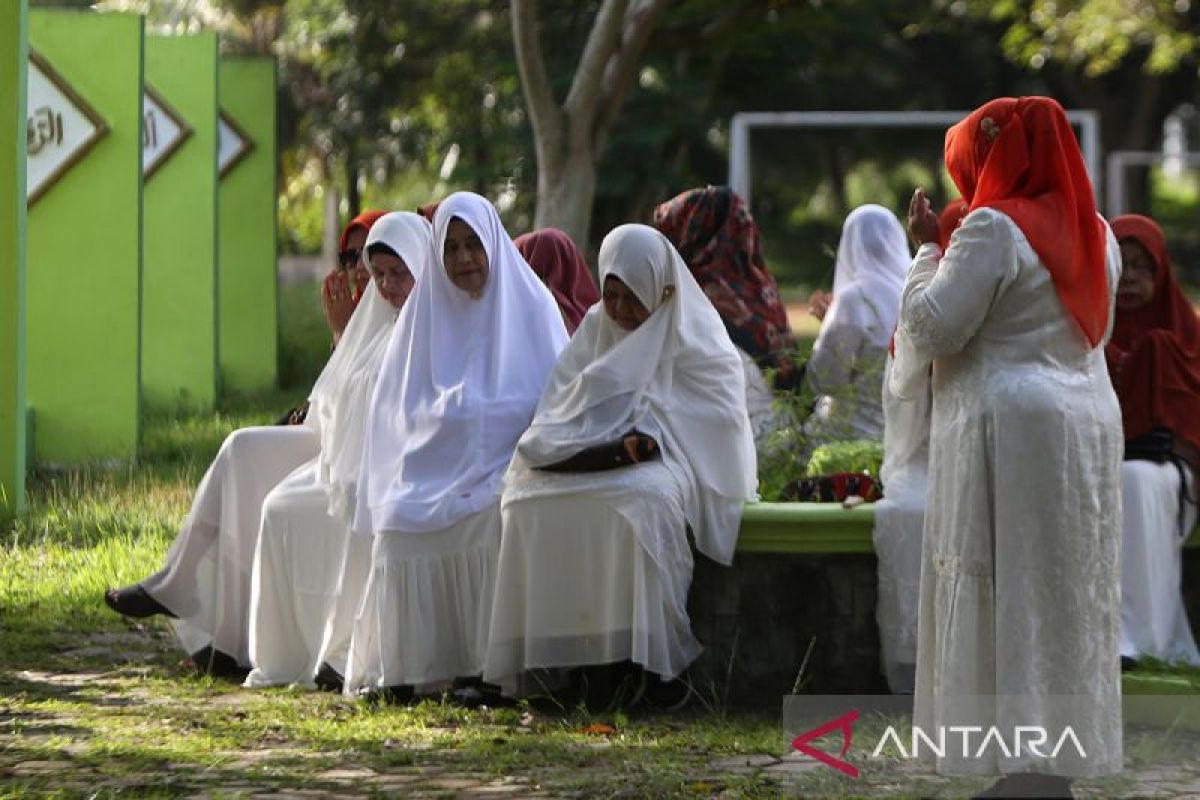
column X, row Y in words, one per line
column 332, row 231
column 353, row 199
column 565, row 195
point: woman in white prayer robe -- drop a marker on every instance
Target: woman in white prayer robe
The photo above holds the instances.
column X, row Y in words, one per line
column 1019, row 604
column 204, row 586
column 462, row 374
column 309, row 571
column 595, row 565
column 845, row 369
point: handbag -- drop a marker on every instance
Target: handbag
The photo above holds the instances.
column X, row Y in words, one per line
column 610, row 455
column 1158, row 445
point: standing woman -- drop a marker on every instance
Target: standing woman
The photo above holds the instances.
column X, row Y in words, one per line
column 560, row 265
column 845, row 370
column 462, row 375
column 308, row 570
column 1154, row 359
column 642, row 433
column 1019, row 604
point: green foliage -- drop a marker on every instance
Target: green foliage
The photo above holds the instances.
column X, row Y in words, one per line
column 861, row 455
column 304, row 337
column 1094, row 35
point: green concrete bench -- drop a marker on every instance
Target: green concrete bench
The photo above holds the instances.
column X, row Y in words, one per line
column 817, row 528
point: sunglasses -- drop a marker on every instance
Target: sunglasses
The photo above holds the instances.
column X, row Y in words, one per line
column 349, row 257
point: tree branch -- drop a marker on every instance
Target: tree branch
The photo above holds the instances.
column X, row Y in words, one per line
column 605, row 38
column 545, row 116
column 623, row 67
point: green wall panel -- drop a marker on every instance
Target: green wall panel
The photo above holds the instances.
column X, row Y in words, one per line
column 179, row 291
column 83, row 264
column 13, row 57
column 247, row 309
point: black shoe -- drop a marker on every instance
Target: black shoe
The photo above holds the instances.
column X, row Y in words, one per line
column 474, row 693
column 134, row 601
column 387, row 695
column 1029, row 785
column 329, row 679
column 1128, row 664
column 667, row 696
column 609, row 687
column 219, row 665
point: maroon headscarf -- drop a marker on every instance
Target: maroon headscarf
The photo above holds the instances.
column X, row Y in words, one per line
column 713, row 230
column 1154, row 352
column 560, row 265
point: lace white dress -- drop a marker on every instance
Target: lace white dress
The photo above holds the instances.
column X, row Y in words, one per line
column 1020, row 606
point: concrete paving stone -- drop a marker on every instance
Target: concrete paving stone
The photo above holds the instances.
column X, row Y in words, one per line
column 491, row 791
column 743, row 762
column 346, row 774
column 454, row 784
column 26, row 767
column 1182, row 789
column 792, row 767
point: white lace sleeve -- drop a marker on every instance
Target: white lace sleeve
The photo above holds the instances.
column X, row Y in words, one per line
column 945, row 302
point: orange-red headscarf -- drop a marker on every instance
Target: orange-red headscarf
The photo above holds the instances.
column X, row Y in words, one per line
column 363, row 221
column 949, row 220
column 1020, row 156
column 1154, row 352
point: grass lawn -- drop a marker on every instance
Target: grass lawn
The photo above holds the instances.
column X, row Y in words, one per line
column 94, row 705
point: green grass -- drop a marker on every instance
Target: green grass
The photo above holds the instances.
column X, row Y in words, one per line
column 107, row 708
column 108, row 698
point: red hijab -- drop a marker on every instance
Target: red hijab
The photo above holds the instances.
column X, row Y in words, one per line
column 363, row 221
column 560, row 265
column 949, row 220
column 713, row 230
column 1020, row 156
column 1154, row 352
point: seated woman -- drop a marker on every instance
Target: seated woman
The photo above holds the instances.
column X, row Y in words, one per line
column 342, row 290
column 1154, row 361
column 205, row 584
column 713, row 230
column 308, row 569
column 460, row 380
column 560, row 265
column 642, row 432
column 845, row 370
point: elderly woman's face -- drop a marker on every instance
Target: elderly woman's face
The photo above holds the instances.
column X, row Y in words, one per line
column 393, row 279
column 622, row 305
column 354, row 257
column 1137, row 276
column 465, row 258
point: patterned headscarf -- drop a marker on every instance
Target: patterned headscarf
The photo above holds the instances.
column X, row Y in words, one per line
column 713, row 230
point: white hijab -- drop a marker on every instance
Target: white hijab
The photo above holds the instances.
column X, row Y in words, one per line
column 459, row 384
column 677, row 377
column 872, row 262
column 340, row 399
